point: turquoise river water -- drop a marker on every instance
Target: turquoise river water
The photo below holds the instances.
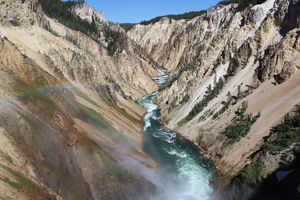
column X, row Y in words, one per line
column 183, row 174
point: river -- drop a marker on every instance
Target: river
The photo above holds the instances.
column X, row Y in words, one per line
column 183, row 173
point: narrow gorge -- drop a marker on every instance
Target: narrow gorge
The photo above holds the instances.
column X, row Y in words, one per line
column 183, row 173
column 199, row 106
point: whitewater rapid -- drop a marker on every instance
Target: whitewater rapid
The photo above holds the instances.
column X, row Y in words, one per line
column 183, row 174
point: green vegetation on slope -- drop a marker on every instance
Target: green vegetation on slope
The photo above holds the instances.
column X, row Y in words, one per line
column 210, row 94
column 242, row 4
column 94, row 118
column 284, row 134
column 249, row 175
column 282, row 137
column 127, row 26
column 24, row 185
column 35, row 97
column 88, row 99
column 185, row 99
column 187, row 15
column 225, row 107
column 20, row 182
column 233, row 65
column 114, row 40
column 61, row 10
column 241, row 124
column 232, row 100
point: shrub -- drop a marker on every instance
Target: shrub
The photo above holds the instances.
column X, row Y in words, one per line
column 250, row 173
column 233, row 65
column 224, row 108
column 210, row 94
column 185, row 99
column 241, row 124
column 215, row 66
column 111, row 37
column 284, row 134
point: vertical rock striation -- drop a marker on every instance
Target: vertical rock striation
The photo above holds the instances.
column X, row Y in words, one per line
column 256, row 54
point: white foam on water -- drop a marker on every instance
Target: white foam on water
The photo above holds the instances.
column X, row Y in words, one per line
column 161, row 80
column 195, row 179
column 192, row 180
column 147, row 102
column 168, row 136
column 175, row 152
column 147, row 119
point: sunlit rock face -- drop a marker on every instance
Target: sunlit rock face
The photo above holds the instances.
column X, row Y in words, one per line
column 68, row 115
column 70, row 125
column 263, row 42
column 88, row 13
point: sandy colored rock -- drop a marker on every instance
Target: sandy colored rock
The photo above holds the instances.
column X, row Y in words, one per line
column 199, row 53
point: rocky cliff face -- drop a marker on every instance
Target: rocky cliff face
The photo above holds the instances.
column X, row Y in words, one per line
column 68, row 115
column 220, row 60
column 88, row 13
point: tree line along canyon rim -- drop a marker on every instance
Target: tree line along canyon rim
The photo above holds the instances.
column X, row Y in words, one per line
column 198, row 106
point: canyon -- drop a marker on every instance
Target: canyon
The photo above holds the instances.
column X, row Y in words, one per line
column 70, row 123
column 261, row 41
